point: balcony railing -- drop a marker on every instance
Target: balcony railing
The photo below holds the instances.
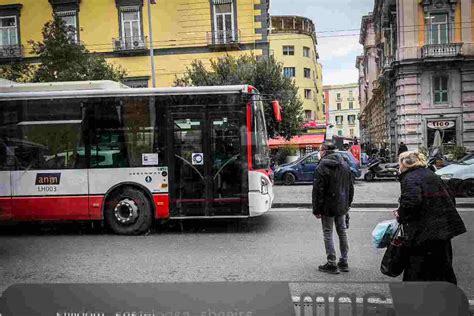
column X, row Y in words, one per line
column 129, row 43
column 441, row 50
column 10, row 51
column 223, row 38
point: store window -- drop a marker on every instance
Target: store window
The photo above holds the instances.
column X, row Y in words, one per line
column 441, row 132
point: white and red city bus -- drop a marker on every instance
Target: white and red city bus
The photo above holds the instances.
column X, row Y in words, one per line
column 99, row 151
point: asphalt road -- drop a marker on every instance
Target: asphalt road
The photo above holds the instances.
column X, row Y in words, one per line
column 283, row 245
column 378, row 192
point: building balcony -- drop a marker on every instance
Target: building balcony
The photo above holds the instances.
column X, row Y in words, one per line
column 223, row 39
column 129, row 44
column 338, row 99
column 441, row 50
column 11, row 51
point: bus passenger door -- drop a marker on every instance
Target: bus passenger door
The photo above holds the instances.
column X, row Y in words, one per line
column 188, row 164
column 227, row 175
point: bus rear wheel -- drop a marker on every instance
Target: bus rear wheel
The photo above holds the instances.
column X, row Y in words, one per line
column 128, row 212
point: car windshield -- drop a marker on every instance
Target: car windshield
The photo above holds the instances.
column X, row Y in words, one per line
column 467, row 160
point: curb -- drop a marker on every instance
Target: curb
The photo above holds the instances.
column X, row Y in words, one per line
column 358, row 205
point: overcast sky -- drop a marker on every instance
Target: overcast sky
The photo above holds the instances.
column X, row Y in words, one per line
column 337, row 54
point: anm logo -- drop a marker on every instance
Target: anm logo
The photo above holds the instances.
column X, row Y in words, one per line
column 47, row 178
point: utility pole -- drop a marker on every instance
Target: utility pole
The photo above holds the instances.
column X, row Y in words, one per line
column 152, row 58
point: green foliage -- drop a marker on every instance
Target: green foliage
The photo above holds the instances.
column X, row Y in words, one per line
column 264, row 74
column 279, row 155
column 18, row 71
column 456, row 152
column 61, row 59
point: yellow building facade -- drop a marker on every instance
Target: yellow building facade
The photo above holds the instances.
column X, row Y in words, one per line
column 293, row 43
column 183, row 31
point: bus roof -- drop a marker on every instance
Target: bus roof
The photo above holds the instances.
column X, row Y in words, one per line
column 102, row 88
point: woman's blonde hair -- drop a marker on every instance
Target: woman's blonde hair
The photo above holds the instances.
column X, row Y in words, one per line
column 412, row 159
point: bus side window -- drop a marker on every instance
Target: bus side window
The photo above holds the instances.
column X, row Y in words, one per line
column 49, row 138
column 123, row 130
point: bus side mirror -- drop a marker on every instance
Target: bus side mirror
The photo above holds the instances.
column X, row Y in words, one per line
column 276, row 110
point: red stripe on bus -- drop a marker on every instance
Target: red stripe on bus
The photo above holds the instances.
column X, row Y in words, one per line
column 5, row 207
column 50, row 208
column 161, row 205
column 95, row 207
column 249, row 136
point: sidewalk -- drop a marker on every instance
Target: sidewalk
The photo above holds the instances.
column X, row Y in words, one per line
column 378, row 194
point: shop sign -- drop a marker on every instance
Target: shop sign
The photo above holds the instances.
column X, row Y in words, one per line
column 441, row 124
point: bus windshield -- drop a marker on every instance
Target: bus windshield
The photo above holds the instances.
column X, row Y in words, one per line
column 261, row 159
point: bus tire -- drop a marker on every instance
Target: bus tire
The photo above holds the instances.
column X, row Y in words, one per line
column 128, row 212
column 289, row 178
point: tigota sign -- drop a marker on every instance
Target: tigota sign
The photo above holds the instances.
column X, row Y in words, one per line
column 441, row 124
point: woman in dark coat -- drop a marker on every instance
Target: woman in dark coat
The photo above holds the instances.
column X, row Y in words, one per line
column 430, row 221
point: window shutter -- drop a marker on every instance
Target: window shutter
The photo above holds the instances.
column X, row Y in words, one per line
column 130, row 8
column 221, row 1
column 66, row 13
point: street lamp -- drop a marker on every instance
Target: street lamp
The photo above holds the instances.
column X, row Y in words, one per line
column 150, row 30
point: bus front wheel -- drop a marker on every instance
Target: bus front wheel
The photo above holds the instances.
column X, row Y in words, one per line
column 128, row 212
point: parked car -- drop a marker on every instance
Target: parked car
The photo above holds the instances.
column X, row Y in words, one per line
column 460, row 176
column 302, row 170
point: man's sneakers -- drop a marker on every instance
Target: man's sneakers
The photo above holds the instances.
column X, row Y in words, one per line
column 332, row 268
column 343, row 266
column 329, row 268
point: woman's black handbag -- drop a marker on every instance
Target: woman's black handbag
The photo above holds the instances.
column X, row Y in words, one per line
column 395, row 257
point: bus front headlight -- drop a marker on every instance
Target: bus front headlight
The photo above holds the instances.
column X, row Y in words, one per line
column 263, row 186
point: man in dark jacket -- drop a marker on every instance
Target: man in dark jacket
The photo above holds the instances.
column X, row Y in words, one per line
column 333, row 191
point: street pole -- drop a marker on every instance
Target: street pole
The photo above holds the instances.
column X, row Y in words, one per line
column 152, row 58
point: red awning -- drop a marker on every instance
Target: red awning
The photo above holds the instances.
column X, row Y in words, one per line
column 299, row 141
